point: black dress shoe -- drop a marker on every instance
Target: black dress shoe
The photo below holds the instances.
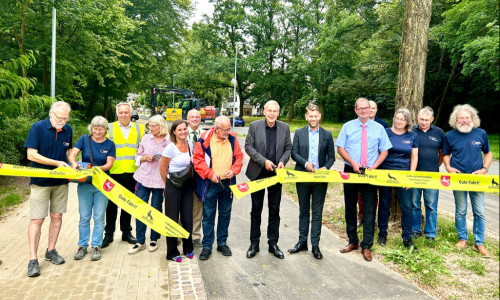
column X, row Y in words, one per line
column 316, row 253
column 301, row 246
column 129, row 238
column 205, row 254
column 252, row 251
column 276, row 251
column 108, row 239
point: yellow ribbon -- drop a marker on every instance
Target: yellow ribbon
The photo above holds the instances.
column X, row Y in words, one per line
column 122, row 197
column 427, row 180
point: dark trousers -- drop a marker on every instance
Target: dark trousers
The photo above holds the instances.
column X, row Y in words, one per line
column 127, row 181
column 311, row 198
column 221, row 200
column 179, row 201
column 274, row 201
column 369, row 194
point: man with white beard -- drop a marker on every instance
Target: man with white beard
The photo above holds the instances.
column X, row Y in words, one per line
column 462, row 154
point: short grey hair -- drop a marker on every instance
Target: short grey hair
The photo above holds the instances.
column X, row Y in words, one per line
column 271, row 102
column 426, row 111
column 464, row 107
column 194, row 110
column 160, row 121
column 98, row 121
column 360, row 100
column 370, row 102
column 406, row 113
column 124, row 103
column 312, row 107
column 60, row 104
column 219, row 119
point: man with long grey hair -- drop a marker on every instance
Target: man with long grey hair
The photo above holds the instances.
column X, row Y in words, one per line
column 462, row 150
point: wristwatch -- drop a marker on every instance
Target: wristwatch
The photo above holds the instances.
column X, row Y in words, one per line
column 485, row 168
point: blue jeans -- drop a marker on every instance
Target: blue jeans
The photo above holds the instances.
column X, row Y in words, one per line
column 156, row 202
column 90, row 198
column 477, row 202
column 405, row 202
column 431, row 205
column 221, row 199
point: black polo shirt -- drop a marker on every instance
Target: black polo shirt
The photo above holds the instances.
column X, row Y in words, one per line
column 51, row 144
column 429, row 144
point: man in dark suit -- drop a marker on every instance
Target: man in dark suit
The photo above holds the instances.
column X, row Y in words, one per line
column 312, row 149
column 269, row 146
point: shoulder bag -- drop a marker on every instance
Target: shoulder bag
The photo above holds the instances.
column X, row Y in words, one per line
column 184, row 177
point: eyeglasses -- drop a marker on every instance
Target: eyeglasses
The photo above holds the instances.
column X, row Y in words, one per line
column 59, row 118
column 225, row 130
column 153, row 125
column 363, row 108
column 400, row 119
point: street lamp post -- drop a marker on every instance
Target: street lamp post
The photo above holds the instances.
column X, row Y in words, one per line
column 173, row 94
column 234, row 89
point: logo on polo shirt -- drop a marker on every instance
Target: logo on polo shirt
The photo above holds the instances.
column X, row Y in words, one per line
column 406, row 142
column 243, row 187
column 445, row 180
column 65, row 144
column 108, row 185
column 103, row 151
column 344, row 175
column 433, row 139
column 475, row 143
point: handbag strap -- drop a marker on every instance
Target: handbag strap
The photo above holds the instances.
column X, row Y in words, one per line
column 90, row 146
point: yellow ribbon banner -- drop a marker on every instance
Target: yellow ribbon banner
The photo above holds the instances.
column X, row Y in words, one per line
column 122, row 197
column 427, row 180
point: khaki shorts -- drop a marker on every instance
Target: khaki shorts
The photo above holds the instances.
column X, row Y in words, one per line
column 42, row 196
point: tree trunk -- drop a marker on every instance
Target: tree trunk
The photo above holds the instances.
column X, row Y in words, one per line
column 292, row 100
column 413, row 55
column 448, row 85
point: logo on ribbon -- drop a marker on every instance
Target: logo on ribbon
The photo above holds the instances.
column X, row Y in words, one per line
column 1, row 165
column 108, row 185
column 243, row 187
column 445, row 180
column 344, row 175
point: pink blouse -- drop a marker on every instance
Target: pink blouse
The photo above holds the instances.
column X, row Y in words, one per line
column 148, row 173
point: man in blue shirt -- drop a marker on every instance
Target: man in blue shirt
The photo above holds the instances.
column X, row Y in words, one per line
column 462, row 154
column 353, row 137
column 430, row 157
column 47, row 147
column 312, row 149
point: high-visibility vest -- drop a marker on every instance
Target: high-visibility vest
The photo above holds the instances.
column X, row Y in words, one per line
column 125, row 149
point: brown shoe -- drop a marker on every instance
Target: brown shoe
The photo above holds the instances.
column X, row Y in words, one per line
column 367, row 254
column 461, row 244
column 349, row 248
column 482, row 250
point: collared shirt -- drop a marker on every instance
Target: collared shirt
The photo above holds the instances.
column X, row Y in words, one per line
column 271, row 137
column 399, row 157
column 381, row 122
column 465, row 149
column 222, row 156
column 429, row 144
column 190, row 132
column 126, row 129
column 50, row 143
column 350, row 139
column 313, row 147
column 148, row 173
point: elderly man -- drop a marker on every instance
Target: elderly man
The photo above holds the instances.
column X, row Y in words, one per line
column 462, row 154
column 47, row 145
column 126, row 135
column 430, row 141
column 373, row 117
column 217, row 159
column 312, row 150
column 269, row 146
column 194, row 131
column 360, row 153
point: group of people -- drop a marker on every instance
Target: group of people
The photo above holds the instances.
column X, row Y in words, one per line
column 150, row 165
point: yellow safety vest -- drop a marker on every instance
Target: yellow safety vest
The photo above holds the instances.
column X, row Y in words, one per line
column 125, row 149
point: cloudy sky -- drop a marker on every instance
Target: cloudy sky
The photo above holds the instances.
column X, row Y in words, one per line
column 202, row 7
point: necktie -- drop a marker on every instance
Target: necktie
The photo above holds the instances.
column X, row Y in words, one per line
column 364, row 146
column 195, row 138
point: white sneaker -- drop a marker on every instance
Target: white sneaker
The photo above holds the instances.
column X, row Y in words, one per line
column 153, row 246
column 137, row 248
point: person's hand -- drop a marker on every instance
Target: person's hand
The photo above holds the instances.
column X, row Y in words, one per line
column 230, row 174
column 75, row 166
column 281, row 165
column 269, row 165
column 355, row 167
column 481, row 171
column 452, row 170
column 214, row 178
column 148, row 158
column 310, row 167
column 61, row 164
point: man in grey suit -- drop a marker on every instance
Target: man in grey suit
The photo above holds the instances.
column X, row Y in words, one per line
column 269, row 146
column 312, row 149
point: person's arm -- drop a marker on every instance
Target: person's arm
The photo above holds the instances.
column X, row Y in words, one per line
column 250, row 147
column 109, row 164
column 488, row 157
column 331, row 152
column 440, row 158
column 238, row 162
column 33, row 155
column 449, row 169
column 343, row 153
column 299, row 160
column 381, row 157
column 414, row 159
column 72, row 157
column 287, row 150
column 164, row 163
